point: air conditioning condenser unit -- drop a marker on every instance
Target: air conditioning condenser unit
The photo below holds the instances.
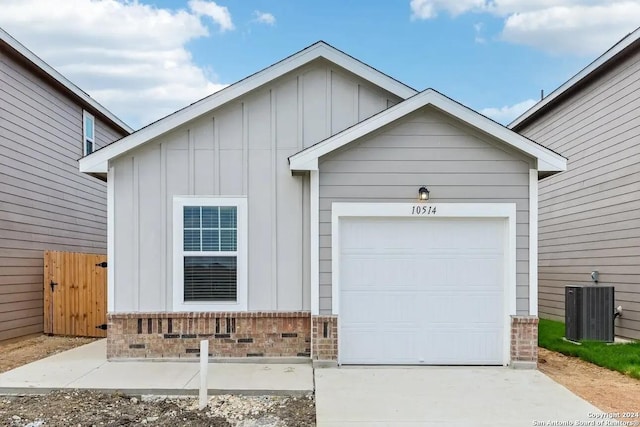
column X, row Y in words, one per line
column 589, row 313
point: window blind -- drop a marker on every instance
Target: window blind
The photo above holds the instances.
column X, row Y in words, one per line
column 210, row 278
column 213, row 229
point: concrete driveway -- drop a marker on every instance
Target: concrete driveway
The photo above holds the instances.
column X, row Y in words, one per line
column 444, row 396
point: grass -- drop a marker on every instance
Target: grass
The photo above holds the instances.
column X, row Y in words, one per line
column 623, row 358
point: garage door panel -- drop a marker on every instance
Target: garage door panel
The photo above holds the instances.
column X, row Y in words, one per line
column 363, row 348
column 360, row 300
column 462, row 346
column 460, row 308
column 373, row 306
column 373, row 271
column 421, row 291
column 400, row 346
column 469, row 307
column 471, row 234
column 483, row 272
column 368, row 272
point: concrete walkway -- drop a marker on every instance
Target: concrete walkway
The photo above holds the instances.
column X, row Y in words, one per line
column 86, row 367
column 443, row 396
column 380, row 396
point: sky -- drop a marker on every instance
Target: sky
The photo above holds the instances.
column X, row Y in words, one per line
column 144, row 59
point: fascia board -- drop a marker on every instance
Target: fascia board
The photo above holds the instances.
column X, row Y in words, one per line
column 97, row 162
column 550, row 161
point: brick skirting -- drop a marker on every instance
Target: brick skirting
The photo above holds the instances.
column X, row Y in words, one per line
column 524, row 339
column 256, row 334
column 324, row 330
column 178, row 335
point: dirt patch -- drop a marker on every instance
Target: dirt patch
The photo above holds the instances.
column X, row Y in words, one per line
column 20, row 352
column 87, row 408
column 608, row 390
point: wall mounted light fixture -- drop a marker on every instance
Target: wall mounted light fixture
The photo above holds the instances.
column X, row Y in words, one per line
column 423, row 193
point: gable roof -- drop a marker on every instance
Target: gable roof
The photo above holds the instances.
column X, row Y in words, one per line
column 601, row 64
column 26, row 54
column 97, row 161
column 548, row 161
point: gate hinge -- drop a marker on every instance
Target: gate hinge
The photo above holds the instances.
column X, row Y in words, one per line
column 103, row 327
column 102, row 264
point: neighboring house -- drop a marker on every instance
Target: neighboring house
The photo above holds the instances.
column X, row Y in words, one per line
column 281, row 217
column 46, row 125
column 590, row 215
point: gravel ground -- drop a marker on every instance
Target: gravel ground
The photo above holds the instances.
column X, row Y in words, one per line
column 87, row 408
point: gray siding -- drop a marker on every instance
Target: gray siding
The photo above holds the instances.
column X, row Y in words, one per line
column 589, row 216
column 427, row 147
column 239, row 149
column 45, row 202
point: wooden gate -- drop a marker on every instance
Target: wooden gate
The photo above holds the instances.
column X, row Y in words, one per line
column 75, row 294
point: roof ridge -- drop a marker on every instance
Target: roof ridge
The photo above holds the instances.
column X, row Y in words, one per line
column 584, row 74
column 38, row 62
column 239, row 88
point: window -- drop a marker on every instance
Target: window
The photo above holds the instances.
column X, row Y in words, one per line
column 88, row 132
column 209, row 254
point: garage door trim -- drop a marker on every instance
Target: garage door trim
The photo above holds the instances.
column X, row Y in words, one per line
column 430, row 211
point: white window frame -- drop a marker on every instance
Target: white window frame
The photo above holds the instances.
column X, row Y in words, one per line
column 240, row 203
column 85, row 137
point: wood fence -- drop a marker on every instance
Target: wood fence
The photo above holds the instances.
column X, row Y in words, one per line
column 75, row 294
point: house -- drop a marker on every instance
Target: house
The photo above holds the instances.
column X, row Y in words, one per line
column 320, row 208
column 589, row 218
column 46, row 125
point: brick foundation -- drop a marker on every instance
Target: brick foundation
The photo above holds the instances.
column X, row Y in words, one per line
column 178, row 335
column 524, row 339
column 256, row 334
column 324, row 330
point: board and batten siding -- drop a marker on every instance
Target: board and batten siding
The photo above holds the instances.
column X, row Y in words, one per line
column 590, row 214
column 239, row 149
column 45, row 202
column 457, row 164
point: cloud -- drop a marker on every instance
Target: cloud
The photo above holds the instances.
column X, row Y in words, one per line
column 479, row 29
column 219, row 14
column 427, row 9
column 557, row 26
column 575, row 29
column 508, row 113
column 129, row 56
column 264, row 17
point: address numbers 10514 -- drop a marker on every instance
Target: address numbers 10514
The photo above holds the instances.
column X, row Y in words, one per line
column 423, row 210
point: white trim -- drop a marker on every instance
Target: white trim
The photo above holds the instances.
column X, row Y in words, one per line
column 97, row 163
column 582, row 75
column 111, row 259
column 444, row 210
column 549, row 161
column 511, row 283
column 533, row 242
column 242, row 241
column 86, row 115
column 314, row 250
column 51, row 72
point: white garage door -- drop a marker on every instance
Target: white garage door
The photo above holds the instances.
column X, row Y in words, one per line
column 422, row 291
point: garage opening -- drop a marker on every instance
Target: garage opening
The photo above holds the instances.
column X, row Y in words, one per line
column 422, row 290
